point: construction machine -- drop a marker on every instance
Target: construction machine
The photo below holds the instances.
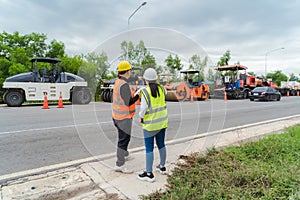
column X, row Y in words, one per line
column 234, row 80
column 135, row 82
column 51, row 80
column 289, row 88
column 190, row 88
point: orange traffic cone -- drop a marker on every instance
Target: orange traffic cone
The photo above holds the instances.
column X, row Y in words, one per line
column 192, row 97
column 45, row 105
column 225, row 95
column 60, row 102
column 298, row 93
column 288, row 93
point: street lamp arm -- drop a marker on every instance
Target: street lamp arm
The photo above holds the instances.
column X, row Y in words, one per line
column 144, row 3
column 274, row 50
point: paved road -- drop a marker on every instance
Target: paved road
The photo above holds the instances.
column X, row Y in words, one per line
column 31, row 137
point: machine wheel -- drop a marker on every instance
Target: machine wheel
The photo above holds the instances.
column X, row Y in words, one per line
column 14, row 98
column 111, row 96
column 102, row 95
column 235, row 95
column 82, row 96
column 245, row 95
column 107, row 96
column 182, row 92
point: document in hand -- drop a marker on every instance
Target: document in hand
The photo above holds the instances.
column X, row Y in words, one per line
column 139, row 90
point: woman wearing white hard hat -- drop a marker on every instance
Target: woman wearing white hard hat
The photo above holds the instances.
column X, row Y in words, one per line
column 154, row 119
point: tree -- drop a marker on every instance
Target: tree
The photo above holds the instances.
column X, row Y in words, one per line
column 100, row 62
column 211, row 75
column 277, row 77
column 127, row 51
column 133, row 54
column 199, row 65
column 94, row 69
column 56, row 49
column 72, row 64
column 33, row 44
column 137, row 55
column 149, row 61
column 293, row 77
column 36, row 44
column 224, row 60
column 173, row 64
column 88, row 71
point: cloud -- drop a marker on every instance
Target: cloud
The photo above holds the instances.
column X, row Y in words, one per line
column 248, row 28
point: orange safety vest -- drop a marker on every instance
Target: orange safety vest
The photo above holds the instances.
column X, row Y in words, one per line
column 121, row 111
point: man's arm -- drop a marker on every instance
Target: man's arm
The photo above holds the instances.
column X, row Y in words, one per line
column 126, row 95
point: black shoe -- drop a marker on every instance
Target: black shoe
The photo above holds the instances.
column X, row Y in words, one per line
column 146, row 177
column 161, row 169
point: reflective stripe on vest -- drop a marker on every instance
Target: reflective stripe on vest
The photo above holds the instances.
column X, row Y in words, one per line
column 120, row 110
column 156, row 116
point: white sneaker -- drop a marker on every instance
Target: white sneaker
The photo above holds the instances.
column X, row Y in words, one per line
column 123, row 169
column 128, row 158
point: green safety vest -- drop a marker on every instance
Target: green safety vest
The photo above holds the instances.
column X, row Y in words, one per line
column 156, row 116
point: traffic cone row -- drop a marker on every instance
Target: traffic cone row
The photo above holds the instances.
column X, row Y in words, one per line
column 45, row 104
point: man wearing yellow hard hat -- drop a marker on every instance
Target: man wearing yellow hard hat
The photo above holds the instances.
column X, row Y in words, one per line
column 123, row 110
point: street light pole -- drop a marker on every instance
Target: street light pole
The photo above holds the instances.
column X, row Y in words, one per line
column 266, row 56
column 144, row 3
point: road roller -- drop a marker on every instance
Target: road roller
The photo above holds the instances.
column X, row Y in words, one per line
column 191, row 88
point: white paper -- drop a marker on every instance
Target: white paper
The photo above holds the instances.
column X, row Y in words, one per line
column 139, row 90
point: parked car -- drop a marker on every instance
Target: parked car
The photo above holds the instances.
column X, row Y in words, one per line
column 264, row 93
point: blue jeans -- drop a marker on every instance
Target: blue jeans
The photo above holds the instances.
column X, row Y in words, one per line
column 149, row 144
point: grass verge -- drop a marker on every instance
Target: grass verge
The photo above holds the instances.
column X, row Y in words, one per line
column 265, row 169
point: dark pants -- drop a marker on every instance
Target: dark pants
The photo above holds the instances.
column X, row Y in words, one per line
column 124, row 135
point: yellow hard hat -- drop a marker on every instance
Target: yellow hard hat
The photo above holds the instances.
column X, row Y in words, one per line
column 124, row 66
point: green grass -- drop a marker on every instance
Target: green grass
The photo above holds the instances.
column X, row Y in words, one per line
column 265, row 169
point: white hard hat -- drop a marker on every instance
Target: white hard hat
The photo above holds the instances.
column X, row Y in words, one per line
column 150, row 74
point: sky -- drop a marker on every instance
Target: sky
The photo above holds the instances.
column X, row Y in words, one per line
column 263, row 35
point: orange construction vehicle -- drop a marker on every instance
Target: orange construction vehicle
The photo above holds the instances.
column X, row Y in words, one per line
column 189, row 89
